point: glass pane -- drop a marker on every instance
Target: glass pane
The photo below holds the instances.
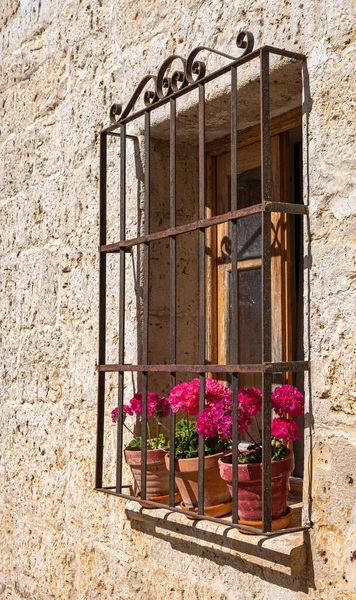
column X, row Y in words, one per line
column 249, row 317
column 248, row 229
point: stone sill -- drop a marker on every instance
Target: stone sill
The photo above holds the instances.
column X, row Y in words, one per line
column 285, row 554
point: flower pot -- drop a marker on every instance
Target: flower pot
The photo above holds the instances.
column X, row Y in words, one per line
column 157, row 481
column 186, row 477
column 250, row 486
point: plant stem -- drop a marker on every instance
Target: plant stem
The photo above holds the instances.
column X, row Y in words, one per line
column 258, row 427
column 160, row 424
column 188, row 427
column 249, row 435
column 128, row 429
column 149, row 434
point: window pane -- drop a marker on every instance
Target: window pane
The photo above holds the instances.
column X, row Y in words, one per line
column 249, row 228
column 249, row 317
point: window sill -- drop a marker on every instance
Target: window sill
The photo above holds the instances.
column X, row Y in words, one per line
column 285, row 554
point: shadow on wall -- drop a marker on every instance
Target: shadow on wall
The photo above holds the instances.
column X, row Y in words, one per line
column 289, row 566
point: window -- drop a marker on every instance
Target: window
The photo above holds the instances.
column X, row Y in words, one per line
column 242, row 230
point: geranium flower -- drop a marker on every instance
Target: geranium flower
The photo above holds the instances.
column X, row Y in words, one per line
column 284, row 429
column 216, row 419
column 185, row 396
column 250, row 400
column 154, row 404
column 287, row 399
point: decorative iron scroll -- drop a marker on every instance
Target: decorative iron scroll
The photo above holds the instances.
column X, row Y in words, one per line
column 192, row 70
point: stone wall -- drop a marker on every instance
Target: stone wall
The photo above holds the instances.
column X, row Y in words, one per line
column 62, row 65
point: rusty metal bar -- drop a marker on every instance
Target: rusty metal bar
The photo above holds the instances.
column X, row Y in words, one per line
column 218, row 520
column 159, row 235
column 286, row 207
column 146, row 276
column 266, row 183
column 102, row 316
column 293, row 367
column 285, row 53
column 202, row 290
column 121, row 376
column 173, row 277
column 239, row 61
column 267, row 367
column 280, row 207
column 234, row 295
column 218, row 73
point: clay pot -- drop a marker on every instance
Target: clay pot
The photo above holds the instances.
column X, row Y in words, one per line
column 250, row 486
column 215, row 490
column 157, row 482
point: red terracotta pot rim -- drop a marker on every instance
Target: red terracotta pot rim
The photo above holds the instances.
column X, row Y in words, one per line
column 153, row 456
column 127, row 449
column 253, row 471
column 227, row 460
column 191, row 464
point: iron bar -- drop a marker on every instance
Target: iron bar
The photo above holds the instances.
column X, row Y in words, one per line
column 266, row 192
column 102, row 316
column 202, row 290
column 128, row 136
column 267, row 368
column 294, row 367
column 218, row 73
column 173, row 277
column 146, row 276
column 285, row 53
column 218, row 520
column 285, row 207
column 234, row 295
column 280, row 207
column 121, row 376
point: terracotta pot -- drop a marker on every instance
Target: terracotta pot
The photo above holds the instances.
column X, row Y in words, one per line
column 157, row 483
column 250, row 486
column 215, row 490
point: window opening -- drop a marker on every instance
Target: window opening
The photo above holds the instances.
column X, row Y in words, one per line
column 249, row 205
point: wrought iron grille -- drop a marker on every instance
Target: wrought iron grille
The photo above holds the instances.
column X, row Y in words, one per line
column 167, row 90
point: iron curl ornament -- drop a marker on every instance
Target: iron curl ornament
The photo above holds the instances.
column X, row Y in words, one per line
column 191, row 71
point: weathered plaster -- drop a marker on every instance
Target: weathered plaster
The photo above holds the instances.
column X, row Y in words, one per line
column 62, row 64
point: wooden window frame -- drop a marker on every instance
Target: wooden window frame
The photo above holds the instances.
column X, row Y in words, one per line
column 218, row 159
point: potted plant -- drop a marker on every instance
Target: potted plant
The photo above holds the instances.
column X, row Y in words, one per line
column 217, row 499
column 157, row 481
column 287, row 403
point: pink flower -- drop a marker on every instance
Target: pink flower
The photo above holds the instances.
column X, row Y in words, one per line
column 287, row 400
column 207, row 425
column 250, row 400
column 284, row 429
column 185, row 396
column 163, row 407
column 216, row 419
column 114, row 415
column 154, row 404
column 126, row 410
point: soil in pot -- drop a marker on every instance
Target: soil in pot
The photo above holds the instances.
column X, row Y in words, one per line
column 186, row 476
column 250, row 486
column 157, row 483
